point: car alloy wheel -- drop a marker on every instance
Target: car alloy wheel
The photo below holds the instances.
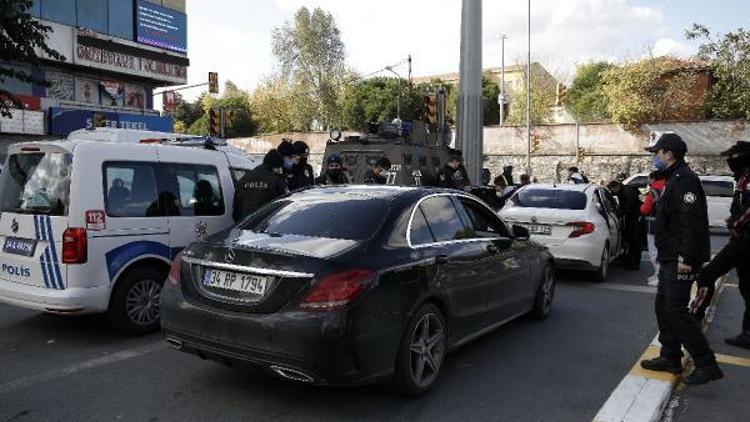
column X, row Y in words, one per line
column 142, row 302
column 548, row 290
column 427, row 349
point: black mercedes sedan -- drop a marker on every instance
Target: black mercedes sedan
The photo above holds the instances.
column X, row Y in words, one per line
column 351, row 285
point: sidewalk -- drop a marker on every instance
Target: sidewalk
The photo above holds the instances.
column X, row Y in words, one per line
column 726, row 399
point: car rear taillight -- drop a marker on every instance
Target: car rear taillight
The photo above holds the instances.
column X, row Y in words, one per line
column 337, row 290
column 581, row 228
column 75, row 246
column 175, row 270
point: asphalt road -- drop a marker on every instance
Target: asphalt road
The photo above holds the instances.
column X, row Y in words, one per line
column 561, row 369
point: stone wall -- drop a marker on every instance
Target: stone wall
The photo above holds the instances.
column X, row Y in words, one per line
column 608, row 149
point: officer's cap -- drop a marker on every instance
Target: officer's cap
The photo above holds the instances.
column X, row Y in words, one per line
column 740, row 149
column 455, row 154
column 273, row 159
column 669, row 142
column 301, row 148
column 286, row 148
column 334, row 159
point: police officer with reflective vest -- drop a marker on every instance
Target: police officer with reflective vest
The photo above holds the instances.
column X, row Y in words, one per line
column 683, row 244
column 260, row 186
column 736, row 254
column 302, row 173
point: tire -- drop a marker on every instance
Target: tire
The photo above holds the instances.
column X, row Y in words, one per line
column 600, row 276
column 134, row 305
column 422, row 352
column 545, row 295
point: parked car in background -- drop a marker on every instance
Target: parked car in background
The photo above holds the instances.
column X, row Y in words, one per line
column 719, row 192
column 578, row 223
column 348, row 285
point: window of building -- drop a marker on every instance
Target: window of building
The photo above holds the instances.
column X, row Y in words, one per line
column 130, row 190
column 92, row 14
column 60, row 11
column 121, row 18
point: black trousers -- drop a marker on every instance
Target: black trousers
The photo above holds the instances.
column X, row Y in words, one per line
column 735, row 255
column 677, row 327
column 633, row 237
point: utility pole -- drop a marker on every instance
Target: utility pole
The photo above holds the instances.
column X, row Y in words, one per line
column 409, row 70
column 502, row 79
column 528, row 99
column 470, row 103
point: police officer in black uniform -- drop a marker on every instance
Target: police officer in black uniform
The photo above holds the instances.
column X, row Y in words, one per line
column 302, row 173
column 335, row 173
column 375, row 176
column 736, row 254
column 260, row 186
column 683, row 244
column 453, row 174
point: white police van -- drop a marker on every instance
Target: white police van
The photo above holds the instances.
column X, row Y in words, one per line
column 92, row 226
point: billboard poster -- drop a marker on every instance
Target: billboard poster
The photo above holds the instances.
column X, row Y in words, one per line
column 112, row 93
column 161, row 27
column 135, row 96
column 62, row 86
column 62, row 121
column 169, row 100
column 87, row 90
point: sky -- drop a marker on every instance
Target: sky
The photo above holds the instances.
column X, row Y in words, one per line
column 233, row 37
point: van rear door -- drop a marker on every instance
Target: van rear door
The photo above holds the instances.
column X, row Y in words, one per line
column 34, row 202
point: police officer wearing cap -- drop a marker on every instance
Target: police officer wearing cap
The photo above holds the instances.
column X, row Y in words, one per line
column 260, row 186
column 334, row 173
column 301, row 175
column 683, row 244
column 453, row 174
column 375, row 176
column 736, row 254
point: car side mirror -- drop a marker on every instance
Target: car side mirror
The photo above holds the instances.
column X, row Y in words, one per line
column 520, row 232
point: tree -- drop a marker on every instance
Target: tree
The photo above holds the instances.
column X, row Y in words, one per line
column 658, row 89
column 375, row 100
column 490, row 92
column 235, row 100
column 186, row 113
column 585, row 98
column 20, row 36
column 543, row 92
column 311, row 57
column 271, row 105
column 729, row 57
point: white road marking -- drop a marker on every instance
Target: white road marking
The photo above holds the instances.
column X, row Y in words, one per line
column 33, row 380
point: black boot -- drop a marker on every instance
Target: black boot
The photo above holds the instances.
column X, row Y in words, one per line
column 742, row 340
column 662, row 364
column 704, row 374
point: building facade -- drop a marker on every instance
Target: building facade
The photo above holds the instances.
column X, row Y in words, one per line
column 117, row 52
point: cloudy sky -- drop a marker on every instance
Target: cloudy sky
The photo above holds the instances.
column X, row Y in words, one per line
column 233, row 37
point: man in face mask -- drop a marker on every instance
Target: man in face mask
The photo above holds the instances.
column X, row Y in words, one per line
column 335, row 173
column 736, row 254
column 683, row 245
column 259, row 186
column 302, row 173
column 286, row 149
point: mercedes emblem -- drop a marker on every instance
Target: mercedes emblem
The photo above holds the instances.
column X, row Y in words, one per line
column 534, row 219
column 229, row 255
column 14, row 226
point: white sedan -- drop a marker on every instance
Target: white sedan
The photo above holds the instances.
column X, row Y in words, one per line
column 578, row 223
column 719, row 192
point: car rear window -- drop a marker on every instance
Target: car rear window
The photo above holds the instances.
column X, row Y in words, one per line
column 550, row 198
column 351, row 218
column 36, row 183
column 724, row 189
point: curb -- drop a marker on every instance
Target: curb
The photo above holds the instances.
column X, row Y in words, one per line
column 643, row 395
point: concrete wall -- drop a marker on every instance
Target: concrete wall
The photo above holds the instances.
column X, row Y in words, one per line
column 608, row 148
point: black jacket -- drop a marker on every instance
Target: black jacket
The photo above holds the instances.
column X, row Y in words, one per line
column 739, row 221
column 630, row 202
column 300, row 177
column 374, row 179
column 451, row 178
column 681, row 225
column 257, row 188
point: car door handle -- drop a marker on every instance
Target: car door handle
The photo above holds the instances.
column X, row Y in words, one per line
column 493, row 249
column 442, row 260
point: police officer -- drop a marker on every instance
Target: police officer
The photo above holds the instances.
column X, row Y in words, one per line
column 453, row 174
column 683, row 245
column 286, row 149
column 736, row 254
column 335, row 173
column 302, row 173
column 260, row 186
column 375, row 176
column 630, row 209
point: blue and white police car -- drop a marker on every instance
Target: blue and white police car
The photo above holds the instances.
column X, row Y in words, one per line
column 92, row 226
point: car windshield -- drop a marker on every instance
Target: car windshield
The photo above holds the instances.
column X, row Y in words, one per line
column 550, row 198
column 351, row 218
column 37, row 183
column 720, row 188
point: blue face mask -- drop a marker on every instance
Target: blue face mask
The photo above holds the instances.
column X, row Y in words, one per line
column 288, row 163
column 658, row 163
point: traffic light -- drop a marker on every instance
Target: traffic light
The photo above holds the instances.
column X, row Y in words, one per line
column 213, row 82
column 431, row 108
column 228, row 118
column 535, row 145
column 214, row 122
column 561, row 92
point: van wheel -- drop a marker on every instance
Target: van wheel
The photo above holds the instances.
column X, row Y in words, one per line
column 422, row 352
column 134, row 306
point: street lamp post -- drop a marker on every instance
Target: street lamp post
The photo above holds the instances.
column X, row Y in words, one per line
column 528, row 98
column 502, row 79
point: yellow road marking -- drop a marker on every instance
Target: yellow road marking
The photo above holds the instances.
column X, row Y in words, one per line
column 733, row 360
column 650, row 353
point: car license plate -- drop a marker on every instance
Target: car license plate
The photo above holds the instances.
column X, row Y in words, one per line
column 245, row 283
column 539, row 229
column 16, row 246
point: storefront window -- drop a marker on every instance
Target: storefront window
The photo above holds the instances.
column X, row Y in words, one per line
column 92, row 14
column 60, row 11
column 121, row 18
